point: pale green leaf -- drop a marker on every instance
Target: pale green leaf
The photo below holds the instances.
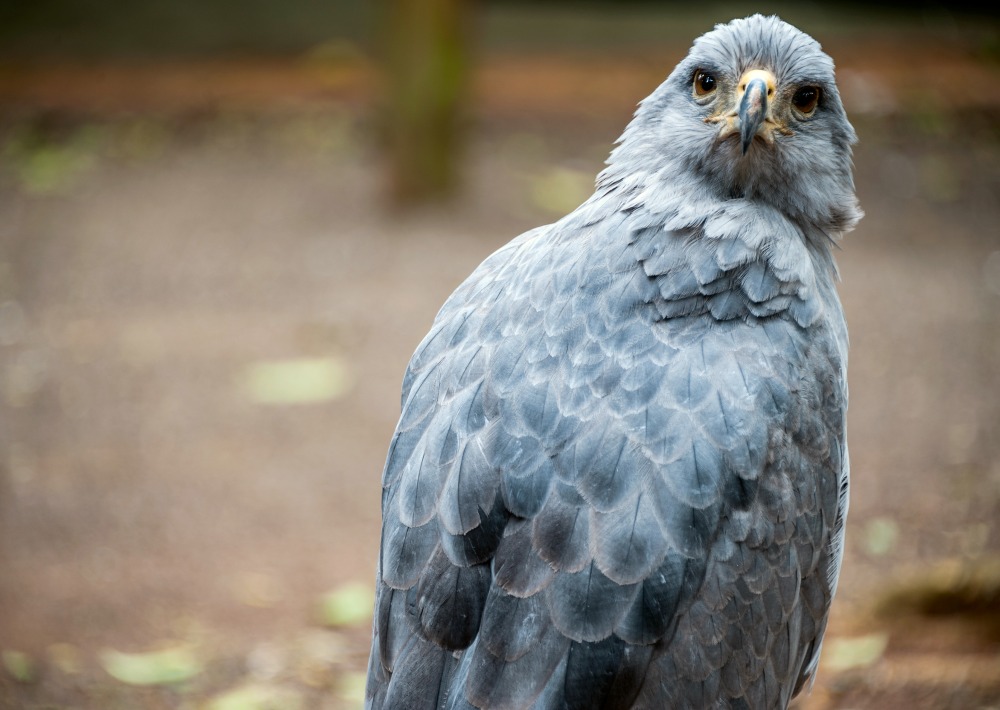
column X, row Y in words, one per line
column 299, row 380
column 167, row 666
column 841, row 654
column 19, row 665
column 351, row 688
column 880, row 536
column 560, row 190
column 257, row 697
column 349, row 605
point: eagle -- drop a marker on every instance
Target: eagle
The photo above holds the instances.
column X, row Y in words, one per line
column 620, row 474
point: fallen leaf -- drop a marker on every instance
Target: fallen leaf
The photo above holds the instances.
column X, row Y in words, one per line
column 19, row 665
column 44, row 167
column 841, row 654
column 167, row 666
column 881, row 535
column 561, row 190
column 257, row 697
column 349, row 605
column 296, row 381
column 351, row 688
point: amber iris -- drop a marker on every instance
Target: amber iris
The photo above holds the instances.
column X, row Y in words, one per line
column 704, row 83
column 806, row 98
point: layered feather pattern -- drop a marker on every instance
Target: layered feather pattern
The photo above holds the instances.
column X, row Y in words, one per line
column 618, row 476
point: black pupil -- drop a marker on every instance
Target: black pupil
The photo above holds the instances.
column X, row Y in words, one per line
column 706, row 82
column 805, row 97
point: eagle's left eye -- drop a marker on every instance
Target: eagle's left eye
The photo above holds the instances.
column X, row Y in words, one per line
column 704, row 83
column 806, row 98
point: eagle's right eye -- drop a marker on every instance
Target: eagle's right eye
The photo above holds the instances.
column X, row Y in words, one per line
column 704, row 83
column 806, row 98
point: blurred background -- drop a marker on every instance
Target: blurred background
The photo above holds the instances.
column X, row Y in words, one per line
column 225, row 226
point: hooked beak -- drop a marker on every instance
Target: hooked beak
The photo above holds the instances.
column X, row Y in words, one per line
column 752, row 110
column 751, row 114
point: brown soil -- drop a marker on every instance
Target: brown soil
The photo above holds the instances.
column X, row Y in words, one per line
column 191, row 231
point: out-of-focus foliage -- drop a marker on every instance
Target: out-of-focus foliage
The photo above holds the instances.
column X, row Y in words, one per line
column 163, row 667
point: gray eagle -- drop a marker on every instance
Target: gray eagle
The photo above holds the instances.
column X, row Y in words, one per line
column 620, row 475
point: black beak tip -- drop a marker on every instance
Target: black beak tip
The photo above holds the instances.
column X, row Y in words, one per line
column 751, row 111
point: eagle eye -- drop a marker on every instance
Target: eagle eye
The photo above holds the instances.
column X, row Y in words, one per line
column 806, row 98
column 704, row 83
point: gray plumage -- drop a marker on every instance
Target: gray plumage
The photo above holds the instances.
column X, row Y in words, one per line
column 620, row 475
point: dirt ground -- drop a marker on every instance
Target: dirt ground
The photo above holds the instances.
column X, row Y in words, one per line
column 155, row 258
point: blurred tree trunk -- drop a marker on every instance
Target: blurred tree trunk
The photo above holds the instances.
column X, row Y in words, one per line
column 425, row 49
